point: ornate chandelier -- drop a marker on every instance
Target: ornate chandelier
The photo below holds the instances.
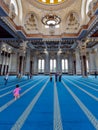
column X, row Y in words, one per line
column 51, row 20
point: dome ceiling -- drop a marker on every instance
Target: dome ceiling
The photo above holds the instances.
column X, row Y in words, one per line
column 51, row 4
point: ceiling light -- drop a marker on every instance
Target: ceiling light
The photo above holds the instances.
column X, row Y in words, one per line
column 43, row 0
column 51, row 1
column 51, row 20
column 57, row 26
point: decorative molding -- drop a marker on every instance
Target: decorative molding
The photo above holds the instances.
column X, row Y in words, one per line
column 49, row 7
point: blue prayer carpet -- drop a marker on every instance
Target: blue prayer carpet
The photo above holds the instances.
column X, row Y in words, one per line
column 69, row 104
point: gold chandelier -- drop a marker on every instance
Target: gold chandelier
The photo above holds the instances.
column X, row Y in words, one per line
column 51, row 20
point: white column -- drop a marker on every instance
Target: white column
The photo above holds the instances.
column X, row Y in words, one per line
column 3, row 62
column 96, row 59
column 59, row 62
column 92, row 62
column 47, row 63
column 13, row 63
column 6, row 62
column 22, row 53
column 82, row 49
column 27, row 62
column 0, row 57
column 22, row 66
column 0, row 61
column 78, row 62
column 35, row 64
column 70, row 63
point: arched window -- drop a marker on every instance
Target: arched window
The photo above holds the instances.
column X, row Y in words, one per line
column 52, row 65
column 41, row 65
column 64, row 65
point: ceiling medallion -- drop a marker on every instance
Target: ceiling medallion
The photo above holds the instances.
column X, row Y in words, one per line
column 51, row 20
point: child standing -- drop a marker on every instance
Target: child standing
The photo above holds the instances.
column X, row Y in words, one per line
column 16, row 92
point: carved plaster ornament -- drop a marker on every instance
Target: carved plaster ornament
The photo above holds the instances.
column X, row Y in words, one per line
column 91, row 8
column 90, row 12
column 72, row 23
column 7, row 3
column 72, row 20
column 12, row 12
column 30, row 23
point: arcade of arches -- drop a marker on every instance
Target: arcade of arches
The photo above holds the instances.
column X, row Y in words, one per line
column 48, row 36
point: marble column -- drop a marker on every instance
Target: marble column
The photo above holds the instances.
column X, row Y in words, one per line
column 27, row 70
column 0, row 56
column 9, row 63
column 58, row 62
column 17, row 62
column 6, row 62
column 47, row 64
column 82, row 47
column 92, row 64
column 35, row 64
column 22, row 67
column 22, row 53
column 21, row 63
column 96, row 59
column 70, row 63
column 3, row 62
column 0, row 60
column 78, row 62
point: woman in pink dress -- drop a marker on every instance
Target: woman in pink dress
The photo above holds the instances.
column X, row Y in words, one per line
column 16, row 92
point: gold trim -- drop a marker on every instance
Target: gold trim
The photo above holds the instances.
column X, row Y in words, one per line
column 49, row 1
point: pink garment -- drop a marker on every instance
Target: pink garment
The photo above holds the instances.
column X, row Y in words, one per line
column 16, row 91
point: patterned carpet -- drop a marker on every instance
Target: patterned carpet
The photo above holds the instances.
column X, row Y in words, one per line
column 71, row 104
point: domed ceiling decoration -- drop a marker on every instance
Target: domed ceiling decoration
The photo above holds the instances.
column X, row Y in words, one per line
column 51, row 1
column 72, row 23
column 51, row 4
column 90, row 12
column 12, row 11
column 30, row 23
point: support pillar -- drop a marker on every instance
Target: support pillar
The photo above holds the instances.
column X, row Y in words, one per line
column 78, row 62
column 83, row 59
column 59, row 62
column 47, row 65
column 35, row 64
